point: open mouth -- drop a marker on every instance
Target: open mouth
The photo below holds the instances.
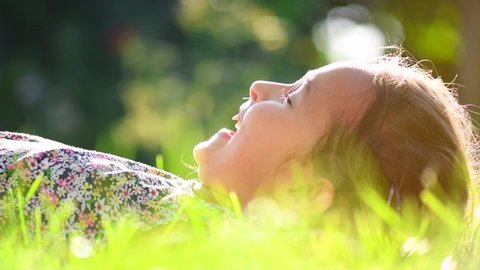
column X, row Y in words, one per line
column 236, row 117
column 226, row 133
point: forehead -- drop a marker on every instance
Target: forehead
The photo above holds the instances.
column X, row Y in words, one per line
column 342, row 88
column 342, row 78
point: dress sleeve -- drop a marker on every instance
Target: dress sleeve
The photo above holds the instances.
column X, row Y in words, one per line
column 100, row 186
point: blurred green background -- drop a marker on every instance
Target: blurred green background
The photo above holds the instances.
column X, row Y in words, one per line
column 141, row 78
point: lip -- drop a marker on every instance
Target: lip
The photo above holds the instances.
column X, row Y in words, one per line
column 241, row 113
column 239, row 119
column 236, row 117
column 225, row 133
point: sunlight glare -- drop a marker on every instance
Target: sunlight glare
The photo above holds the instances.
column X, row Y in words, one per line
column 343, row 38
column 81, row 247
column 477, row 212
column 415, row 246
column 449, row 263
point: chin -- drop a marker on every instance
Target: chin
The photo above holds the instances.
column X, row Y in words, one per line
column 207, row 175
column 209, row 149
column 203, row 155
column 199, row 152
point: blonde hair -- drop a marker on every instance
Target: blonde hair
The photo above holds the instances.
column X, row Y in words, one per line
column 414, row 136
column 414, row 133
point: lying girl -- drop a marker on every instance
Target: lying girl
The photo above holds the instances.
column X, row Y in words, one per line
column 387, row 126
column 391, row 116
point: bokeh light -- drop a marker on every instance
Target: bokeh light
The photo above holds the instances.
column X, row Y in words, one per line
column 138, row 78
column 270, row 32
column 347, row 34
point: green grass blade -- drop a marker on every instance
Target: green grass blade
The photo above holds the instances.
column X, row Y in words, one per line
column 236, row 206
column 34, row 187
column 21, row 215
column 441, row 210
column 159, row 162
column 381, row 208
column 38, row 225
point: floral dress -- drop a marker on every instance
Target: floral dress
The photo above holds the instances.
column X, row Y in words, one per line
column 101, row 187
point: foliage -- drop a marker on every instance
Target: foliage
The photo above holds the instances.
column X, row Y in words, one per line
column 147, row 77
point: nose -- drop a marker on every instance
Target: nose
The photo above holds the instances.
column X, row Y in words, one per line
column 266, row 90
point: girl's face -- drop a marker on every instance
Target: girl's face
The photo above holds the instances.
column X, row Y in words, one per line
column 279, row 125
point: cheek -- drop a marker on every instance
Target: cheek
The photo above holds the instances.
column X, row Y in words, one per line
column 267, row 118
column 278, row 134
column 262, row 131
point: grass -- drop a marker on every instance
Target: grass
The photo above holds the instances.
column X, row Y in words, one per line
column 268, row 234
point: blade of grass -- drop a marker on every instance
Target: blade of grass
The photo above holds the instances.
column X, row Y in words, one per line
column 34, row 187
column 236, row 206
column 21, row 215
column 380, row 207
column 159, row 162
column 38, row 225
column 437, row 207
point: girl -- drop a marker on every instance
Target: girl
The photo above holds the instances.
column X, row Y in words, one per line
column 388, row 127
column 390, row 120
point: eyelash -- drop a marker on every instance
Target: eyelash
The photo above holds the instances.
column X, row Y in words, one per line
column 286, row 97
column 286, row 92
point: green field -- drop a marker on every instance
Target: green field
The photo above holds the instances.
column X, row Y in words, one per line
column 268, row 234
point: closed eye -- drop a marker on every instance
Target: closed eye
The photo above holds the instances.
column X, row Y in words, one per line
column 288, row 100
column 286, row 92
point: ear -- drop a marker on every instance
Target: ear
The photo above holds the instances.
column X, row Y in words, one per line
column 301, row 171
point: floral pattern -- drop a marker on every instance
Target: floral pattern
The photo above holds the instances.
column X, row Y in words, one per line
column 100, row 186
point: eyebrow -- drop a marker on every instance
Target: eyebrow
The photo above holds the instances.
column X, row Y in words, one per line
column 308, row 73
column 307, row 81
